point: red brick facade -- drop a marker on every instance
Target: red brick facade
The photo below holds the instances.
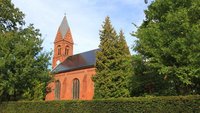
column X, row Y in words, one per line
column 74, row 84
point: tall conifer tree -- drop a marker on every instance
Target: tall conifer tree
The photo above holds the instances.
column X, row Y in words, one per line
column 110, row 80
column 123, row 45
column 124, row 65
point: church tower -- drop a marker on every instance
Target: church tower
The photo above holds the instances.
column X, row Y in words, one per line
column 63, row 43
column 72, row 73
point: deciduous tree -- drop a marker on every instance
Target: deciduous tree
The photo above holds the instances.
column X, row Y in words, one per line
column 169, row 41
column 23, row 66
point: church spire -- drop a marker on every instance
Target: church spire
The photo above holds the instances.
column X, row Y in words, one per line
column 63, row 44
column 64, row 27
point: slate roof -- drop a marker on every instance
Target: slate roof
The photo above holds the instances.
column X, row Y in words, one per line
column 64, row 27
column 78, row 61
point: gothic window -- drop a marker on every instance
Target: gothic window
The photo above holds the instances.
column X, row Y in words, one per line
column 57, row 90
column 76, row 88
column 59, row 50
column 66, row 50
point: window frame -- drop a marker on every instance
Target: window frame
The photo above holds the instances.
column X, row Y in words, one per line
column 67, row 50
column 75, row 89
column 59, row 49
column 57, row 90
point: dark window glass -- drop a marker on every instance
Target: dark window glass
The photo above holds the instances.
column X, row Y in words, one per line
column 66, row 50
column 59, row 50
column 57, row 90
column 76, row 88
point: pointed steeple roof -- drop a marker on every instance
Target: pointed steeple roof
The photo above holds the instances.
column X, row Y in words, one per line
column 64, row 27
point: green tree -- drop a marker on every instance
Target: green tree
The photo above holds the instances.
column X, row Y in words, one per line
column 146, row 80
column 23, row 66
column 123, row 45
column 169, row 41
column 110, row 79
column 124, row 64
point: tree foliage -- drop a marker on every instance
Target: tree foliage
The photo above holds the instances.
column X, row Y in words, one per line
column 146, row 80
column 112, row 64
column 169, row 41
column 23, row 66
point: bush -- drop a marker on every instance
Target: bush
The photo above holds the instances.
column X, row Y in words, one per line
column 170, row 104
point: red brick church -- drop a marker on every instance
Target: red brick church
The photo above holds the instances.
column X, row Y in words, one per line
column 72, row 73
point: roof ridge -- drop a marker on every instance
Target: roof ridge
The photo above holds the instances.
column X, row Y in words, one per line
column 86, row 51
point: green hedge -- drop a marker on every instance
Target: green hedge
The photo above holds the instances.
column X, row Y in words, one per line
column 170, row 104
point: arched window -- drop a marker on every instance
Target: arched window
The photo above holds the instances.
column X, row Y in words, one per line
column 67, row 50
column 76, row 88
column 57, row 90
column 59, row 50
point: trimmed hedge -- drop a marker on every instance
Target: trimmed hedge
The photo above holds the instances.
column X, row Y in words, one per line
column 169, row 104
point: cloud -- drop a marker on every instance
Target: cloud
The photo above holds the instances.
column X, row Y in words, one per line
column 85, row 18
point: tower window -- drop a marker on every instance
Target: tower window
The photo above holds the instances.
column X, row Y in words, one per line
column 67, row 50
column 59, row 50
column 76, row 88
column 57, row 90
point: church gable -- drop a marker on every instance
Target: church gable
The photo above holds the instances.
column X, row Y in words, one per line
column 58, row 37
column 68, row 37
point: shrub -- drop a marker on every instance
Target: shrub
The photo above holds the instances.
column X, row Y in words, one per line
column 170, row 104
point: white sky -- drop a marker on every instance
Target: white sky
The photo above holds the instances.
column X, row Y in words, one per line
column 85, row 18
